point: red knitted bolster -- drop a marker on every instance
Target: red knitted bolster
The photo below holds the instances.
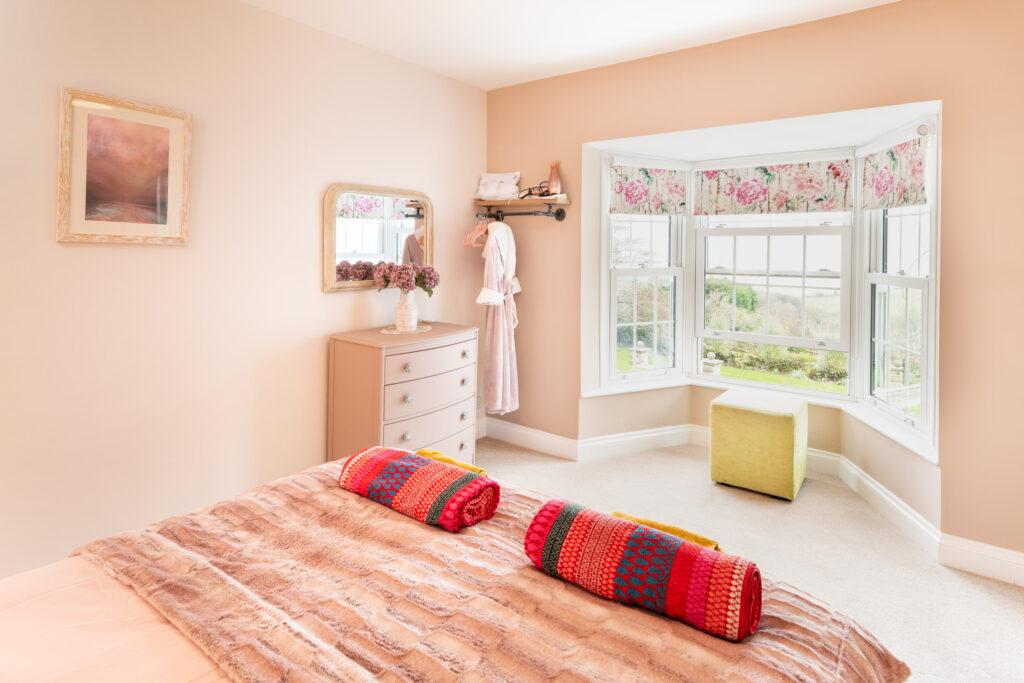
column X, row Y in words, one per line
column 540, row 527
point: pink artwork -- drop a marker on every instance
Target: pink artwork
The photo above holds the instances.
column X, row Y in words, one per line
column 126, row 172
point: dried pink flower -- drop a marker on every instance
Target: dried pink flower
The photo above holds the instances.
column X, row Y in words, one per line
column 404, row 277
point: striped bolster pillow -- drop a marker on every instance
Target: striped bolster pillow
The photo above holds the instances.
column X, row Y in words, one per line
column 422, row 488
column 637, row 565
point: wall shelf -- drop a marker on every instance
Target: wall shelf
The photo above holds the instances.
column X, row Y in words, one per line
column 497, row 208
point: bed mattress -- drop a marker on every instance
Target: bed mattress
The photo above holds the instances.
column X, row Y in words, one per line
column 301, row 580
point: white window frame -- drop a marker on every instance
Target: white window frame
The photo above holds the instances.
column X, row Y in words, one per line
column 920, row 283
column 610, row 376
column 922, row 437
column 845, row 286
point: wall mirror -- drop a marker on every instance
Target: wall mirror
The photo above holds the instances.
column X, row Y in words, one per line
column 364, row 225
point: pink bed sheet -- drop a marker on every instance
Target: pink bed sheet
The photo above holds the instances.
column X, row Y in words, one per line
column 69, row 621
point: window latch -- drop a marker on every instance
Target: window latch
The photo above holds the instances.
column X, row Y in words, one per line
column 821, row 343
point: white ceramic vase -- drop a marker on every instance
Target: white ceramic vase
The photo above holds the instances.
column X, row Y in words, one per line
column 407, row 313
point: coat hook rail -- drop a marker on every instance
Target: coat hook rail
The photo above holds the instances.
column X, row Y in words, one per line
column 499, row 215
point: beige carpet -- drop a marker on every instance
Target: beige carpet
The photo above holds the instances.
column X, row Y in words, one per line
column 946, row 624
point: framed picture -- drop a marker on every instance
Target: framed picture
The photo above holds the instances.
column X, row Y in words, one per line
column 123, row 171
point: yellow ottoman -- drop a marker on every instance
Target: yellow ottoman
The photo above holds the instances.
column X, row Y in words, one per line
column 759, row 441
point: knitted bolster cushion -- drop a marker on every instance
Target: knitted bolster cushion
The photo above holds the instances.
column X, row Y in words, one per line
column 637, row 565
column 422, row 488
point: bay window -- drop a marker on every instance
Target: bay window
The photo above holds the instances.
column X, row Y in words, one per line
column 815, row 272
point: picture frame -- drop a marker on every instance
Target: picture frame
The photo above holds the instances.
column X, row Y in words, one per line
column 122, row 172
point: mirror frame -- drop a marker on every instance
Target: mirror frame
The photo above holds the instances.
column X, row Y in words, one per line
column 330, row 226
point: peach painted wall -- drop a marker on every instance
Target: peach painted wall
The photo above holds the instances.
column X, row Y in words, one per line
column 969, row 55
column 142, row 381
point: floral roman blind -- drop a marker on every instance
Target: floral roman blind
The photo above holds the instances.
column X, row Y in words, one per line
column 781, row 188
column 649, row 191
column 351, row 205
column 894, row 177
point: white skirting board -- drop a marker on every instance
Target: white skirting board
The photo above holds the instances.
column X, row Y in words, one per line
column 951, row 551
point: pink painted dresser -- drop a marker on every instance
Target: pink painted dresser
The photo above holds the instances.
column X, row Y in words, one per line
column 407, row 391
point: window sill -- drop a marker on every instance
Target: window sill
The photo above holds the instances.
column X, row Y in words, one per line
column 894, row 430
column 859, row 410
column 634, row 386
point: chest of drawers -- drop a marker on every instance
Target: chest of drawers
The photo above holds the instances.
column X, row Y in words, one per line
column 407, row 391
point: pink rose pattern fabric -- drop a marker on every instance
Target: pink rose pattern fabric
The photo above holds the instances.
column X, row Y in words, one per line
column 648, row 191
column 781, row 188
column 351, row 205
column 894, row 177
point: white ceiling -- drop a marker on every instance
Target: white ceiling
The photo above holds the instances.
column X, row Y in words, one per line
column 851, row 128
column 493, row 44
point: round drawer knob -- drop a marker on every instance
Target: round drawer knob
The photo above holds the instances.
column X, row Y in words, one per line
column 407, row 436
column 462, row 446
column 464, row 381
column 407, row 367
column 463, row 416
column 407, row 398
column 465, row 353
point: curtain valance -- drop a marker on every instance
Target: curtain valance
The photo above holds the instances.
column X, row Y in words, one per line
column 894, row 177
column 351, row 205
column 649, row 191
column 780, row 188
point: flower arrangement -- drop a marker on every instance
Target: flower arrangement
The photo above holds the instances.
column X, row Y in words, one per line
column 360, row 270
column 406, row 277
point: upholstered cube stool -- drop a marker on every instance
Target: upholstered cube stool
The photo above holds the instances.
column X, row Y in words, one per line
column 759, row 441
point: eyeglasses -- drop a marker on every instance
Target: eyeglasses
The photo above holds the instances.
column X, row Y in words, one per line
column 538, row 191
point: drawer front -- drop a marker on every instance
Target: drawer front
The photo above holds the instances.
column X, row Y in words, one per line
column 409, row 399
column 421, row 431
column 462, row 446
column 405, row 367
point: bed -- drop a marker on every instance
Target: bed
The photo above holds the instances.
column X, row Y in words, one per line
column 300, row 580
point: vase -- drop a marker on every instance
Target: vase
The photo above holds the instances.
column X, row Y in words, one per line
column 407, row 313
column 555, row 179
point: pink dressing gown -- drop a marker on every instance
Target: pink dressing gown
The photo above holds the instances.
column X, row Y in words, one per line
column 501, row 380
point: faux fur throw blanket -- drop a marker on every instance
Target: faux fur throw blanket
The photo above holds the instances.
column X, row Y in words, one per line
column 300, row 580
column 423, row 488
column 621, row 560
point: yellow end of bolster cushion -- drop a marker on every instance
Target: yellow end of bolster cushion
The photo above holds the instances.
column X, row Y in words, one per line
column 441, row 457
column 673, row 530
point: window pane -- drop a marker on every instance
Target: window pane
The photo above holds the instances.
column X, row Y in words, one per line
column 822, row 313
column 897, row 316
column 784, row 305
column 914, row 304
column 643, row 353
column 923, row 265
column 665, row 350
column 896, row 348
column 896, row 373
column 909, row 248
column 893, row 263
column 794, row 367
column 913, row 389
column 719, row 254
column 620, row 242
column 666, row 298
column 787, row 254
column 751, row 304
column 824, row 253
column 879, row 311
column 624, row 300
column 718, row 303
column 640, row 242
column 624, row 348
column 661, row 243
column 644, row 299
column 752, row 254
